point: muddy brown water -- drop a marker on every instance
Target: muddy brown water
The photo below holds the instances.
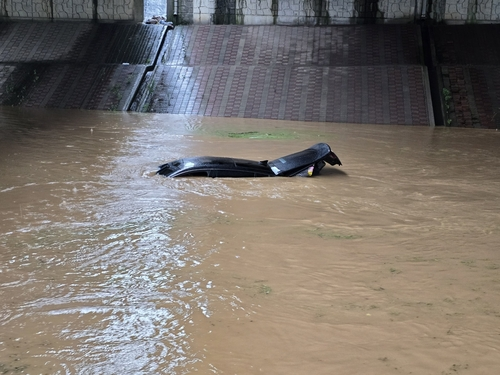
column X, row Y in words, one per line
column 389, row 264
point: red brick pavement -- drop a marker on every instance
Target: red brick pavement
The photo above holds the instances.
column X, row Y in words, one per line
column 352, row 73
column 358, row 74
column 468, row 58
column 474, row 95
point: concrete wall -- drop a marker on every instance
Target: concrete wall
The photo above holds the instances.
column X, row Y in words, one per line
column 101, row 10
column 291, row 12
column 260, row 12
column 322, row 12
column 462, row 11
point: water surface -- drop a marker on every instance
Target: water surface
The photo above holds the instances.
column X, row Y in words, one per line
column 388, row 264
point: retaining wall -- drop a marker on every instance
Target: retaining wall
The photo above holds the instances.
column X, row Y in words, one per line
column 99, row 10
column 324, row 12
column 260, row 12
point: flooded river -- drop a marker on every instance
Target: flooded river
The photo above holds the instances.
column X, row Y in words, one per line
column 388, row 264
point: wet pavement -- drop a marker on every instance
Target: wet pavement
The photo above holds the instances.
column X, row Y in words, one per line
column 379, row 74
column 75, row 65
column 467, row 61
column 356, row 74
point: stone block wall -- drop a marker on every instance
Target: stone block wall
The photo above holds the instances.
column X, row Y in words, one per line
column 261, row 12
column 101, row 10
column 324, row 12
column 471, row 11
column 293, row 12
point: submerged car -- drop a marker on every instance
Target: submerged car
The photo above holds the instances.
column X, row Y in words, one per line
column 308, row 162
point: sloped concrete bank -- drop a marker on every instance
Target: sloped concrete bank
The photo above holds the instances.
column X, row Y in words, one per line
column 464, row 71
column 356, row 74
column 75, row 65
column 382, row 74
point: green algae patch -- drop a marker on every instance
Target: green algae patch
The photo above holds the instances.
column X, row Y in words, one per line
column 257, row 135
column 326, row 233
column 273, row 134
column 265, row 289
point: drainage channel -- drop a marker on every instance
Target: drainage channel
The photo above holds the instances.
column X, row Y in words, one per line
column 146, row 86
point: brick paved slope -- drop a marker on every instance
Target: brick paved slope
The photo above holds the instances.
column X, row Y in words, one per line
column 73, row 64
column 467, row 61
column 359, row 74
column 352, row 73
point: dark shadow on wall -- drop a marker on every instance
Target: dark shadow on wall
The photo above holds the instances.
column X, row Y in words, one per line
column 366, row 12
column 225, row 12
column 320, row 9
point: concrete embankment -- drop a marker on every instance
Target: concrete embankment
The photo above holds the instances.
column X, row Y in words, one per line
column 382, row 74
column 75, row 65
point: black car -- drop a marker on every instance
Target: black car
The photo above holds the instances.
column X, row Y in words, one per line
column 308, row 162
